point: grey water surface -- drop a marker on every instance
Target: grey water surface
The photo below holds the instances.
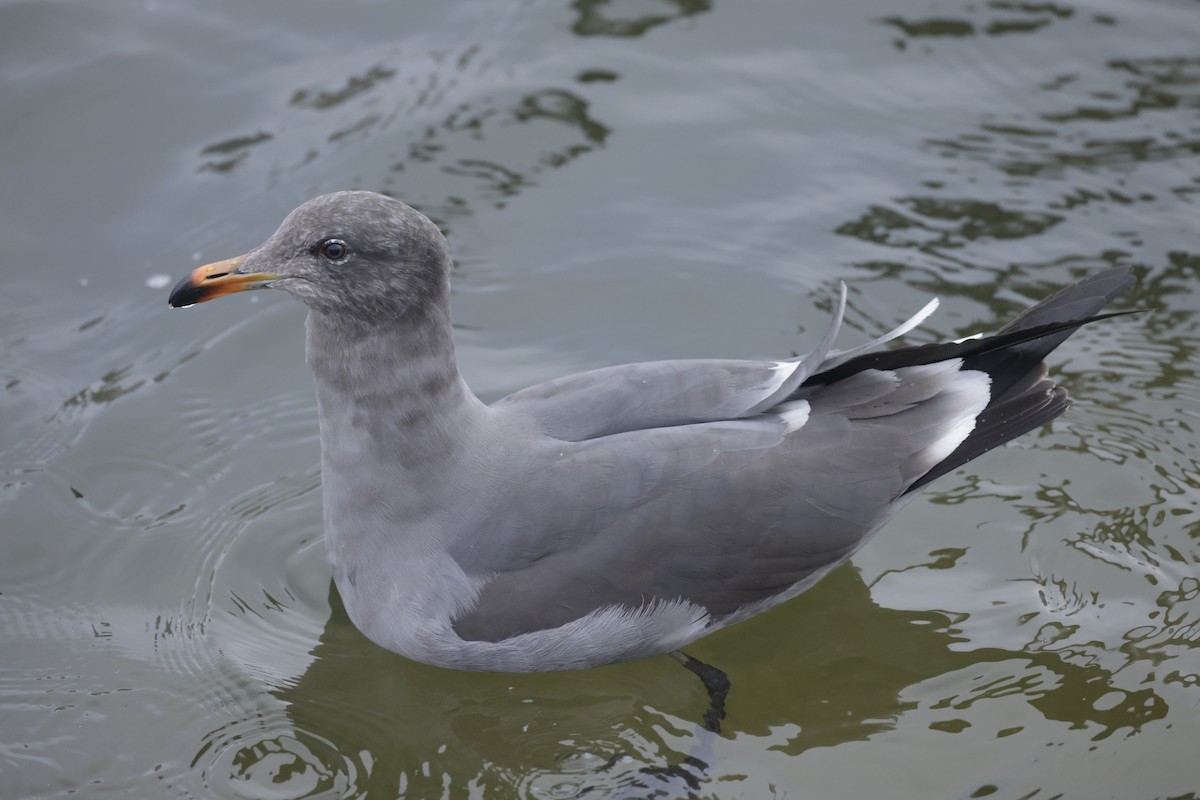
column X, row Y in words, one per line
column 620, row 180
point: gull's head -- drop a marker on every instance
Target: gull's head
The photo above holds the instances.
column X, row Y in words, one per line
column 357, row 254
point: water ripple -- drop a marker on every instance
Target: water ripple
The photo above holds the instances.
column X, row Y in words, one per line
column 262, row 757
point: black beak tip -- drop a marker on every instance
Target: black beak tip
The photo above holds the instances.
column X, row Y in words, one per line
column 186, row 293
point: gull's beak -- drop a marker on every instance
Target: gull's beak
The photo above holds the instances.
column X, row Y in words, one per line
column 215, row 280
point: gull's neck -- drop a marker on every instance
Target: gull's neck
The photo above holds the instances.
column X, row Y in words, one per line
column 391, row 392
column 399, row 433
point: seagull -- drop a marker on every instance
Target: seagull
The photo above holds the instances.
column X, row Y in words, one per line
column 618, row 513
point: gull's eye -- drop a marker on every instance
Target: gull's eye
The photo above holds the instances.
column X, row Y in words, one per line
column 334, row 250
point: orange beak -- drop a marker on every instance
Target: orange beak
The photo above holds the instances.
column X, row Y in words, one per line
column 216, row 280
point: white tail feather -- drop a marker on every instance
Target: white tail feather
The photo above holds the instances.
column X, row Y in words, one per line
column 837, row 357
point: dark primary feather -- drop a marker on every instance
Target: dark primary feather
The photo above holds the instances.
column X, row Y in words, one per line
column 1023, row 398
column 1024, row 341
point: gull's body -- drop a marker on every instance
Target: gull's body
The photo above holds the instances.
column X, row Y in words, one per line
column 618, row 513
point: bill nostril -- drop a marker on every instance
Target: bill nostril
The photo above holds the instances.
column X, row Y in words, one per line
column 215, row 275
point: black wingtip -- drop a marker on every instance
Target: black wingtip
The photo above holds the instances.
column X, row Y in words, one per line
column 1032, row 335
column 1023, row 396
column 1001, row 422
column 1080, row 300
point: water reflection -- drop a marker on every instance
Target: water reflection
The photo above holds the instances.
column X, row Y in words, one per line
column 262, row 756
column 320, row 99
column 226, row 155
column 431, row 730
column 996, row 18
column 933, row 224
column 594, row 17
column 449, row 118
column 850, row 671
column 1118, row 139
column 1085, row 123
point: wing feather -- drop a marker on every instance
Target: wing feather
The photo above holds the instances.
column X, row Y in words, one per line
column 656, row 394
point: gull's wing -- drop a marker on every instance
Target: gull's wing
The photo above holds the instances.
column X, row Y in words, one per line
column 658, row 394
column 722, row 516
column 717, row 520
column 653, row 394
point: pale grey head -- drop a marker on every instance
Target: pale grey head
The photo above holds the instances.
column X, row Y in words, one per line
column 356, row 255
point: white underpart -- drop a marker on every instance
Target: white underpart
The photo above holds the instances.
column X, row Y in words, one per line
column 608, row 633
column 415, row 617
column 794, row 414
column 842, row 356
column 969, row 338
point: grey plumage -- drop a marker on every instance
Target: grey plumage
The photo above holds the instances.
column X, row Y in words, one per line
column 616, row 513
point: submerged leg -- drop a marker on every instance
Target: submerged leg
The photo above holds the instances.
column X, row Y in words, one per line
column 716, row 683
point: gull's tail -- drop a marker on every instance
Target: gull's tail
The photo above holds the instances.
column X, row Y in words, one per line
column 1022, row 396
